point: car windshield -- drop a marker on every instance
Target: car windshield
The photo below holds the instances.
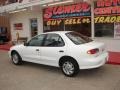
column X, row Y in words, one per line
column 77, row 38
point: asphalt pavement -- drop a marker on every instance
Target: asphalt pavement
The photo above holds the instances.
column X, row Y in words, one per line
column 31, row 76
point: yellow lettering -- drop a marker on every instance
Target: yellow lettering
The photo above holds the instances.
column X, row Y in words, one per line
column 96, row 19
column 58, row 22
column 118, row 19
column 70, row 21
column 53, row 22
column 84, row 20
column 101, row 19
column 79, row 21
column 113, row 19
column 48, row 23
column 74, row 21
column 107, row 20
column 66, row 22
column 88, row 20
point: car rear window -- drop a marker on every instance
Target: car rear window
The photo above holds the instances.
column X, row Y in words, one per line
column 77, row 38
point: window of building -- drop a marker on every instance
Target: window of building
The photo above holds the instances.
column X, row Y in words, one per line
column 104, row 30
column 83, row 28
column 34, row 26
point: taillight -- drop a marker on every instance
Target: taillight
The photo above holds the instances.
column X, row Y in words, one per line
column 93, row 51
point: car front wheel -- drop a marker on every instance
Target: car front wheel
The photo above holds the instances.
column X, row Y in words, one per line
column 16, row 59
column 70, row 68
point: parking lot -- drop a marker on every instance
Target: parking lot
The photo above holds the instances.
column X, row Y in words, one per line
column 31, row 76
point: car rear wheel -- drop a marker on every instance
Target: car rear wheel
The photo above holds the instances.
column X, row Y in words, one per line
column 70, row 68
column 16, row 59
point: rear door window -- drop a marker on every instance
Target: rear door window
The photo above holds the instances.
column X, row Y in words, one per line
column 53, row 40
column 77, row 38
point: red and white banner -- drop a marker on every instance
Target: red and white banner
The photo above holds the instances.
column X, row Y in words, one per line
column 18, row 26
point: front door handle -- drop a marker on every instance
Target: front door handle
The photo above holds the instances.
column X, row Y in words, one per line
column 37, row 50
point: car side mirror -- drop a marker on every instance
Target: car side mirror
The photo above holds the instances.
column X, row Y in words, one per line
column 25, row 44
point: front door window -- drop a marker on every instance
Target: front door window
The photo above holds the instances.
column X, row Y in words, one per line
column 37, row 41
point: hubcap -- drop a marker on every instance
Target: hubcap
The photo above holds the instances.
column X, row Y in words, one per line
column 68, row 68
column 15, row 58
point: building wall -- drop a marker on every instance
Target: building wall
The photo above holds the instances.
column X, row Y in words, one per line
column 24, row 18
column 111, row 44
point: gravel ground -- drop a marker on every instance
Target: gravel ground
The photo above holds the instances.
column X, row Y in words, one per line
column 31, row 76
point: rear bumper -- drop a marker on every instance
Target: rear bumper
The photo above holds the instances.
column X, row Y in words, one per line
column 95, row 62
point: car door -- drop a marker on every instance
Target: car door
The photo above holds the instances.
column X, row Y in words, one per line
column 32, row 50
column 53, row 48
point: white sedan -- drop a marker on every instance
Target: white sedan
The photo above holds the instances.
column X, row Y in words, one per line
column 68, row 50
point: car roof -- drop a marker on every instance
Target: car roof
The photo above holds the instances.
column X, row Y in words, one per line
column 58, row 32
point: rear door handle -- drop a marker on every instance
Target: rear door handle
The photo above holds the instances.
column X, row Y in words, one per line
column 37, row 50
column 61, row 51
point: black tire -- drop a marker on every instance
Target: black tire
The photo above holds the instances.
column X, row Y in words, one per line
column 16, row 59
column 71, row 70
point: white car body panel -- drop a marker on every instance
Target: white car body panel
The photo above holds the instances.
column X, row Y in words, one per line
column 51, row 55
